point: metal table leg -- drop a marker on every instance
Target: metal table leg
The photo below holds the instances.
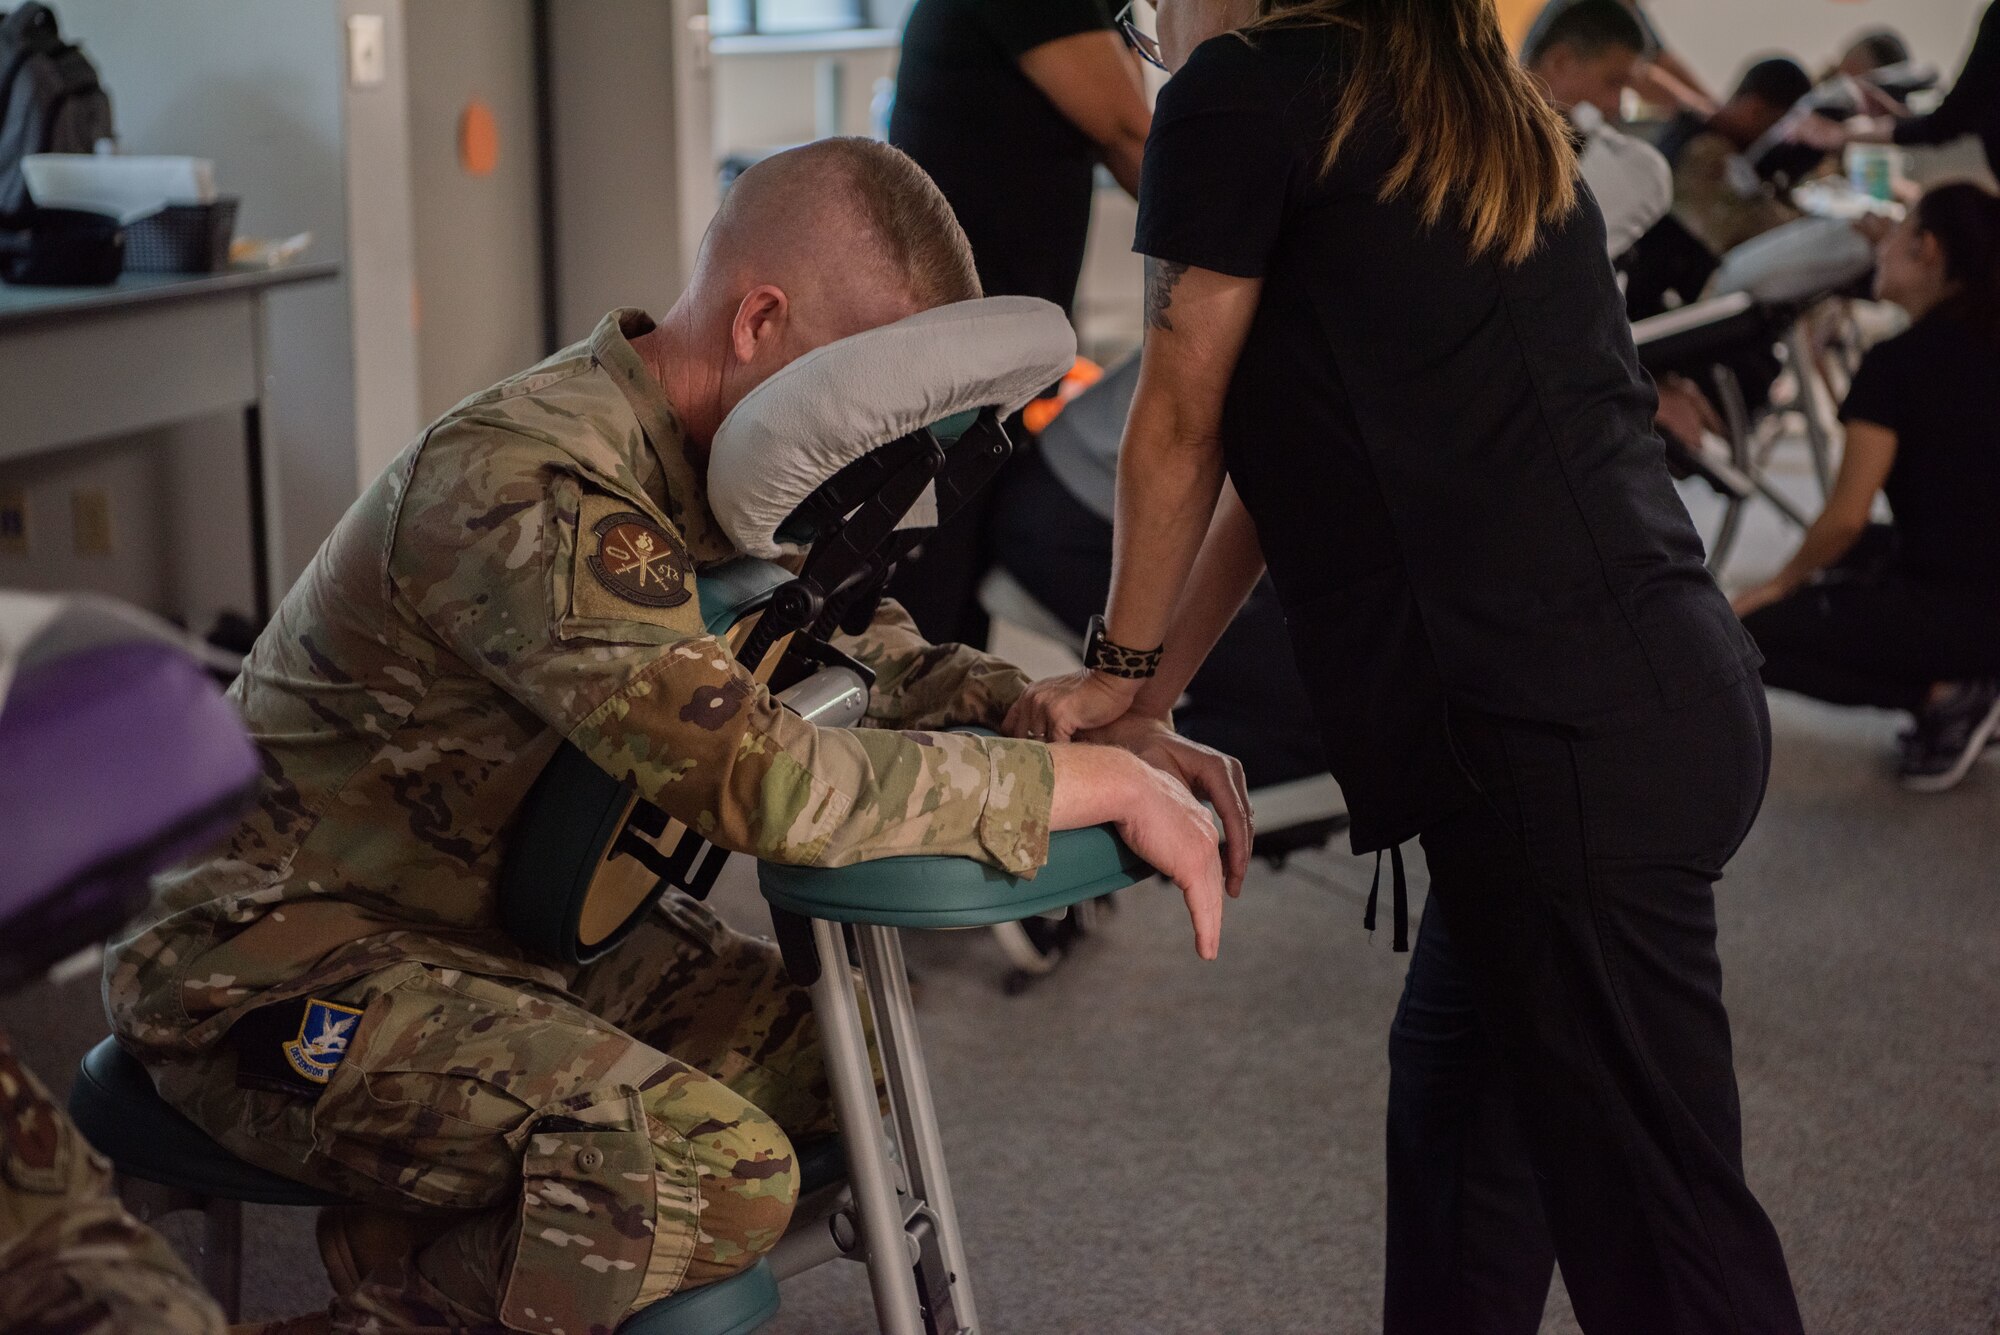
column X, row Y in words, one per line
column 260, row 535
column 869, row 1174
column 261, row 473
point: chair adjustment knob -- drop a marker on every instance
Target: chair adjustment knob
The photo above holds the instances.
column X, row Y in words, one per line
column 797, row 604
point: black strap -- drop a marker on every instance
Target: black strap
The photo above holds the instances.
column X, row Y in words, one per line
column 1400, row 893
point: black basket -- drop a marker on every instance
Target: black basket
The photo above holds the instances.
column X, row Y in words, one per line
column 182, row 238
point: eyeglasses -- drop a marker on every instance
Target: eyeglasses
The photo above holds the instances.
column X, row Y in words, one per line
column 1147, row 45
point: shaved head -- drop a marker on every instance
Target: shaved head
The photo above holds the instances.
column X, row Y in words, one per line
column 853, row 230
column 811, row 245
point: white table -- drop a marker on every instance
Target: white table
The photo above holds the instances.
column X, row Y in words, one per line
column 79, row 364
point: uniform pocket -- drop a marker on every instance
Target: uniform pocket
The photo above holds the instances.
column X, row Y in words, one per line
column 443, row 1079
column 589, row 1214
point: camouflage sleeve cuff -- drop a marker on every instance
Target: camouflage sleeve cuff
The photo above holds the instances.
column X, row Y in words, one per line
column 1020, row 793
column 1004, row 686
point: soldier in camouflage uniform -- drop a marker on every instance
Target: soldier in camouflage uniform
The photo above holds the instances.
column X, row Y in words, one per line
column 333, row 996
column 72, row 1261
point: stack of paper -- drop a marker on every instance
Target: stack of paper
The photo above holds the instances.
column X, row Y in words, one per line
column 126, row 188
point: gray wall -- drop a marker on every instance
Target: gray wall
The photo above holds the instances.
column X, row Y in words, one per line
column 255, row 85
column 635, row 182
column 1718, row 37
column 477, row 240
column 381, row 251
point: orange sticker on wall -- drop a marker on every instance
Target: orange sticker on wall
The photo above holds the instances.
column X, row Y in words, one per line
column 478, row 139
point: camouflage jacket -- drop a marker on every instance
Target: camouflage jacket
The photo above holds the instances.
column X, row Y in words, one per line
column 72, row 1261
column 1708, row 202
column 526, row 572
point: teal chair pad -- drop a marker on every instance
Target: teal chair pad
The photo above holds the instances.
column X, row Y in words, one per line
column 955, row 892
column 733, row 1306
column 733, row 590
column 115, row 1106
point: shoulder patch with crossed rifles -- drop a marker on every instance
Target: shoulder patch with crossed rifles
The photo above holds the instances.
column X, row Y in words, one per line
column 640, row 561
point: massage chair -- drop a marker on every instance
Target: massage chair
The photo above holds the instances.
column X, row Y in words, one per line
column 840, row 464
column 1737, row 342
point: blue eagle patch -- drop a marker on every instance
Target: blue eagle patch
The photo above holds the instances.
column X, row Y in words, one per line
column 321, row 1045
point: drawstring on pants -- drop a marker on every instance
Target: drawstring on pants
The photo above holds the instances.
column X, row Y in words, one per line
column 1400, row 893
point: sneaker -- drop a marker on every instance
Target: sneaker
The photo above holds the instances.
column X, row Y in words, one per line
column 1906, row 737
column 1950, row 736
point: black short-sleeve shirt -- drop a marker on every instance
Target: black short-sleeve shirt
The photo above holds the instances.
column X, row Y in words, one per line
column 1973, row 104
column 1451, row 461
column 1017, row 172
column 1937, row 388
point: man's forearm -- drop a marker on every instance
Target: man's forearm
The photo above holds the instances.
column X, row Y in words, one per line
column 923, row 685
column 711, row 748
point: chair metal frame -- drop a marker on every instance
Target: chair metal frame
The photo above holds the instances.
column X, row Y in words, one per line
column 1749, row 432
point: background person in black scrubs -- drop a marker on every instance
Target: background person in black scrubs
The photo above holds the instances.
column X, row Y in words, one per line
column 1378, row 298
column 1907, row 616
column 1971, row 107
column 1010, row 105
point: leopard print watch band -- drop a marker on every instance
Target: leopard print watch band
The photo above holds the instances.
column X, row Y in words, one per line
column 1115, row 660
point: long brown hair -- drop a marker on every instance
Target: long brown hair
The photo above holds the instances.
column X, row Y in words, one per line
column 1478, row 130
column 1965, row 219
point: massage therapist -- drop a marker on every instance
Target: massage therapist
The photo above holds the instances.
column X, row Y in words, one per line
column 1385, row 352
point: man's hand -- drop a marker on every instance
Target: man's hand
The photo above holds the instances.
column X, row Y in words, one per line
column 1153, row 813
column 1056, row 709
column 1213, row 777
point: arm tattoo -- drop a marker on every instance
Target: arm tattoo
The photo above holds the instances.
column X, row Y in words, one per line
column 1162, row 277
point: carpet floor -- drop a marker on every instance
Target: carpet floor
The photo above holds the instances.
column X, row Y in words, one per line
column 1147, row 1145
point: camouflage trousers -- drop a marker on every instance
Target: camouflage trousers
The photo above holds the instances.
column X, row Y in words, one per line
column 586, row 1155
column 72, row 1262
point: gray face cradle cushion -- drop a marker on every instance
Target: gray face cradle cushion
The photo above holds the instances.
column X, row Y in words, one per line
column 1803, row 260
column 838, row 403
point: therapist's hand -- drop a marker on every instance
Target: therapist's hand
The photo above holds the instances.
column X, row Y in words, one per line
column 1056, row 709
column 1758, row 598
column 1820, row 133
column 1210, row 775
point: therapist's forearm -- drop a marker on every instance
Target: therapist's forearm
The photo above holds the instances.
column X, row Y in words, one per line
column 1230, row 564
column 1870, row 130
column 1829, row 539
column 1122, row 157
column 1169, row 475
column 1665, row 82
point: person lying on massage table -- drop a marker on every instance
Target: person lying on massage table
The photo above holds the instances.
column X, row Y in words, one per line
column 332, row 996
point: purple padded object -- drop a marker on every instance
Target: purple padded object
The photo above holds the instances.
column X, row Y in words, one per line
column 115, row 762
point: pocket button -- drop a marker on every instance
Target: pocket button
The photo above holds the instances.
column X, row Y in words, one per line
column 590, row 1160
